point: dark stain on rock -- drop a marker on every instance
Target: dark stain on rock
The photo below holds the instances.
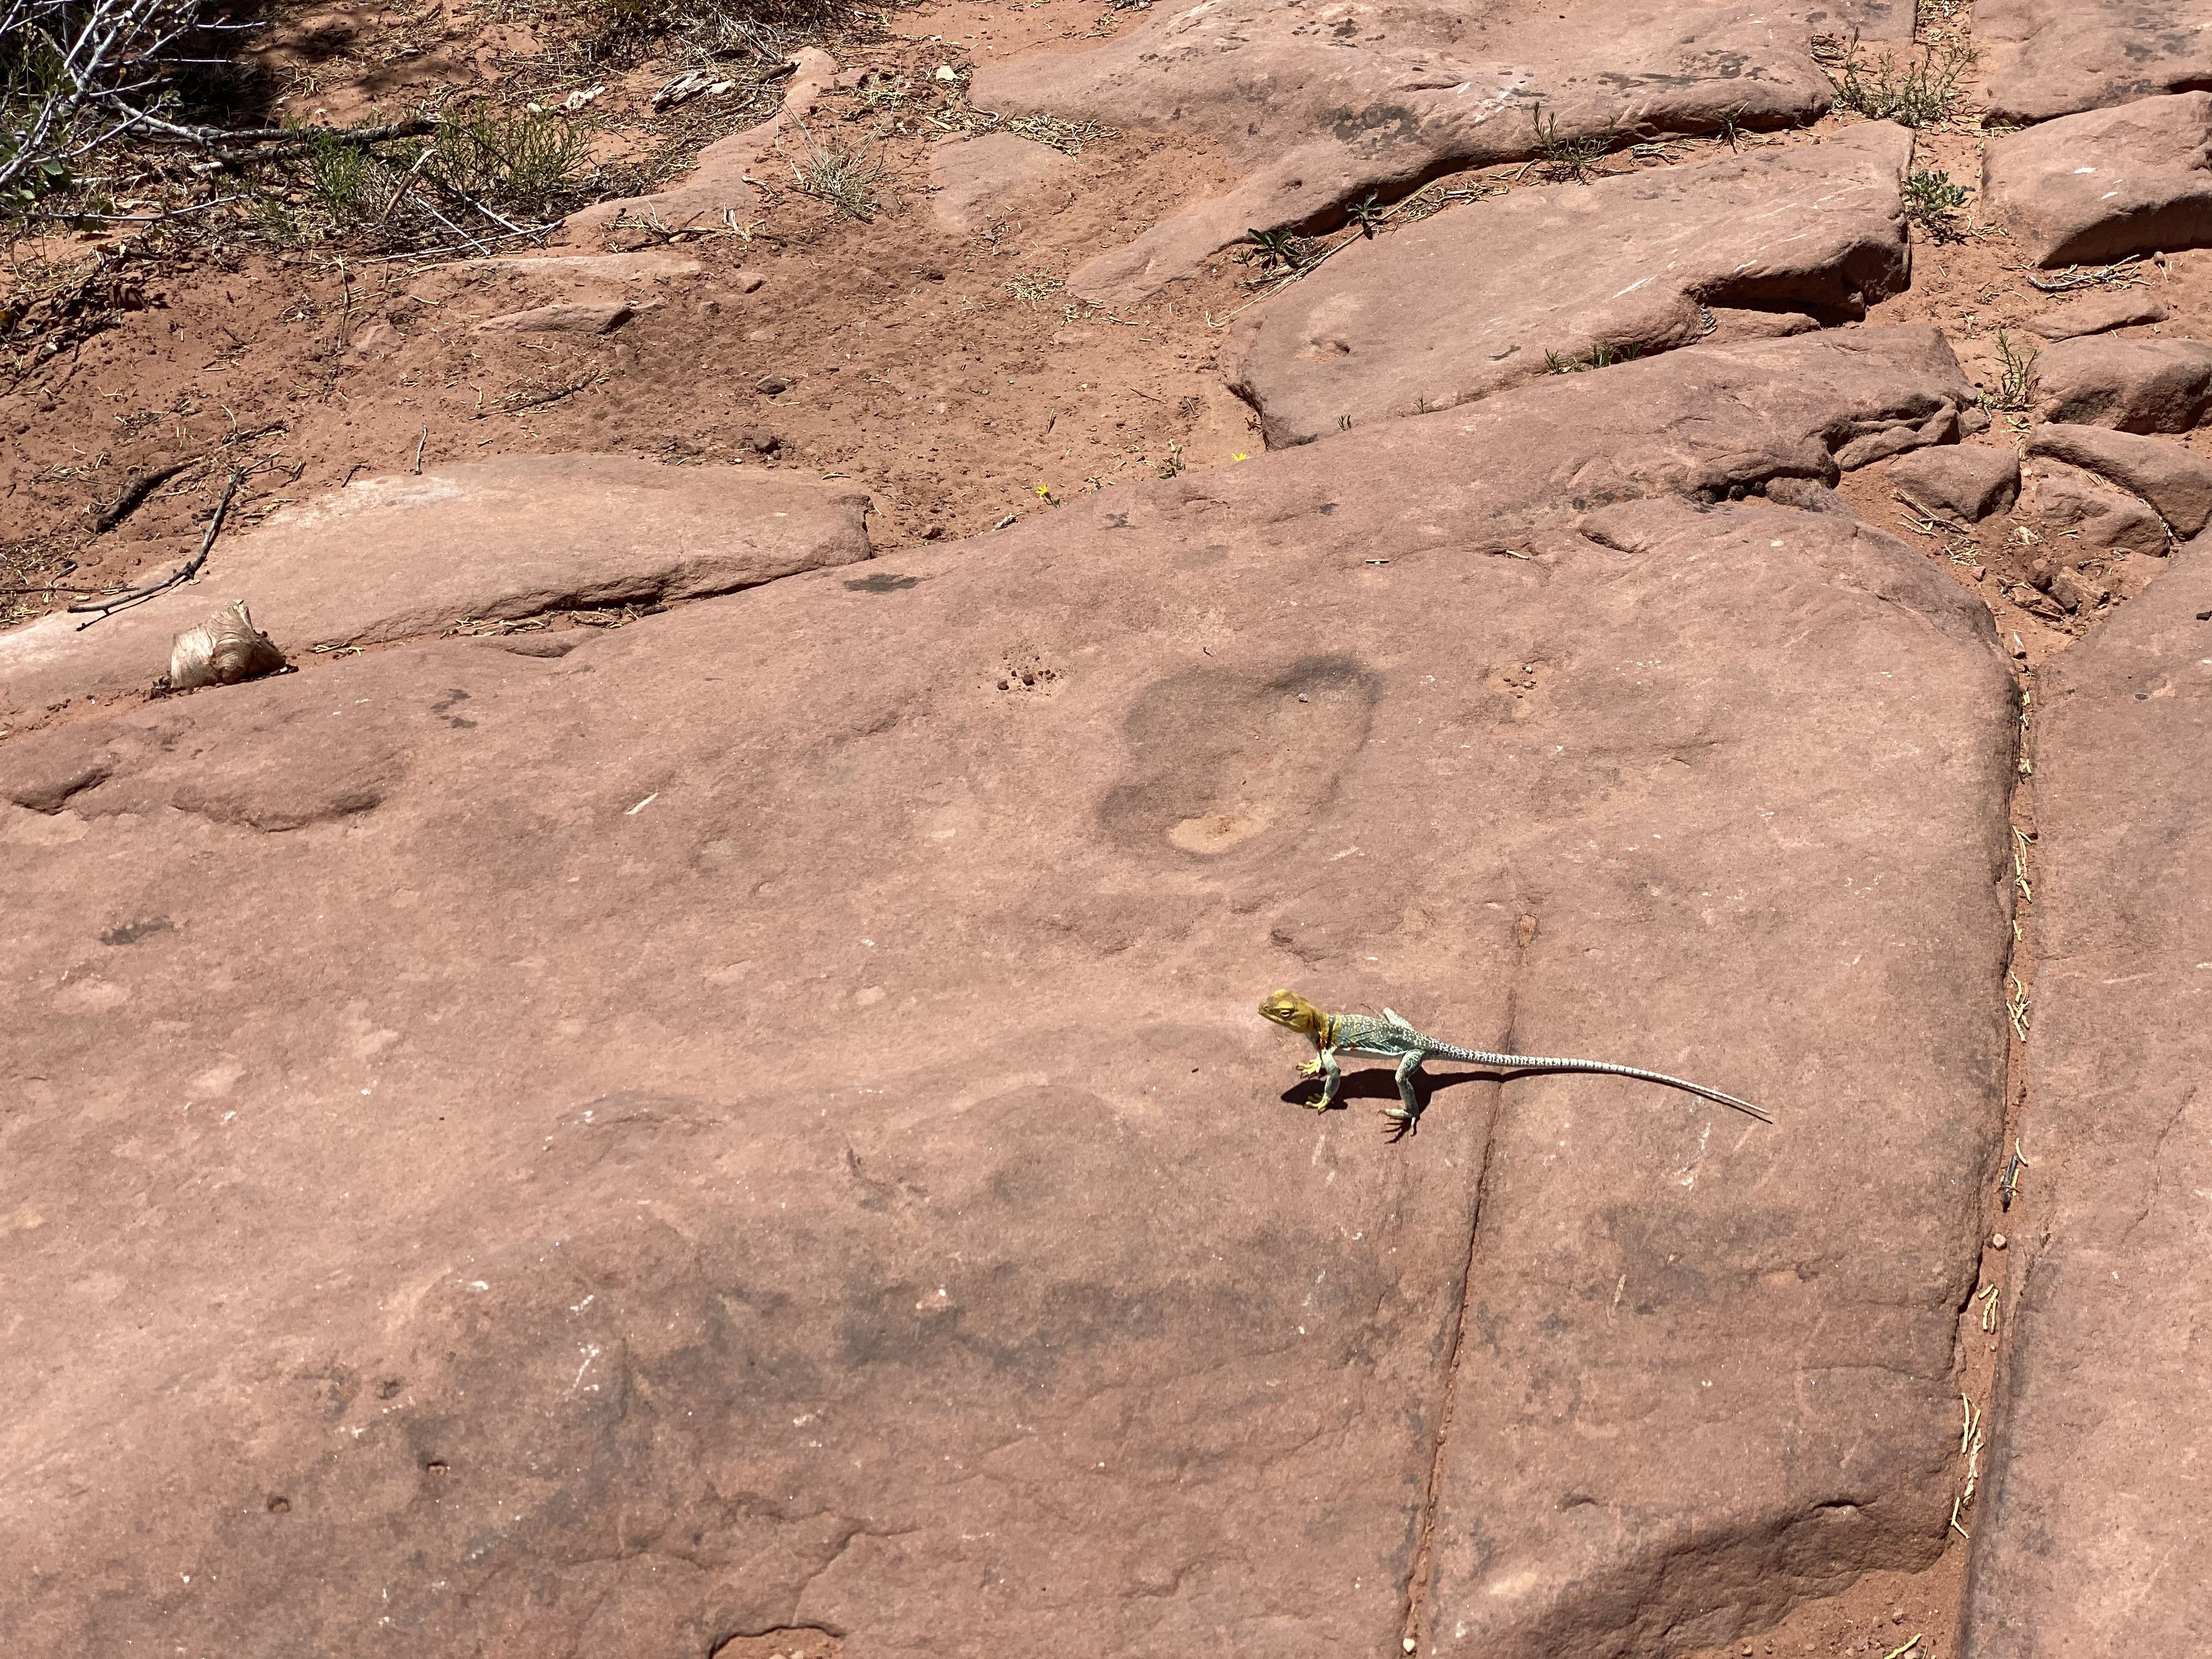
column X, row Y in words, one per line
column 455, row 696
column 1222, row 758
column 883, row 582
column 132, row 932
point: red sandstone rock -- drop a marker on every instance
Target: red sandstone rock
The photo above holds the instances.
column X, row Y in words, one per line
column 975, row 180
column 2048, row 57
column 718, row 184
column 2085, row 1543
column 2094, row 521
column 1430, row 317
column 760, row 1122
column 2176, row 481
column 573, row 317
column 2099, row 313
column 1323, row 111
column 1971, row 482
column 2096, row 187
column 391, row 557
column 2135, row 385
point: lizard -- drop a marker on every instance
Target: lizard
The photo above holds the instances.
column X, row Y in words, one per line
column 1392, row 1037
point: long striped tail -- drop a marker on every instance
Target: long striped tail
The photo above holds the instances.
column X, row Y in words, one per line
column 1535, row 1063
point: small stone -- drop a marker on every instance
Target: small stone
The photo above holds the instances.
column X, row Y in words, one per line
column 946, row 72
column 1407, row 1643
column 747, row 282
column 567, row 318
column 376, row 339
column 770, row 384
column 932, row 274
column 1897, row 1615
column 1972, row 481
column 1996, row 1241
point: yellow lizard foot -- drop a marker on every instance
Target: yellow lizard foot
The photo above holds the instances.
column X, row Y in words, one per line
column 1311, row 1068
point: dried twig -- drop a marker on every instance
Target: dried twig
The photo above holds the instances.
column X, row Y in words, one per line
column 135, row 492
column 290, row 142
column 2075, row 278
column 183, row 573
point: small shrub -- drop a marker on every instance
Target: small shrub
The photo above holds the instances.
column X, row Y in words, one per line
column 2015, row 376
column 342, row 177
column 520, row 162
column 1911, row 94
column 844, row 178
column 1930, row 199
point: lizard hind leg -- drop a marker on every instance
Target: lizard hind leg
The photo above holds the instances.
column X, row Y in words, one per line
column 1408, row 1116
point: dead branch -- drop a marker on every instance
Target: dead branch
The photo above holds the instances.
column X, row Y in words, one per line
column 183, row 573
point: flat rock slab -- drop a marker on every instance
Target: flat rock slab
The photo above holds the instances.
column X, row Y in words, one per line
column 759, row 1123
column 1323, row 110
column 2049, row 57
column 2088, row 1541
column 1431, row 316
column 1971, row 482
column 2174, row 480
column 394, row 558
column 2132, row 385
column 2098, row 312
column 975, row 180
column 2094, row 188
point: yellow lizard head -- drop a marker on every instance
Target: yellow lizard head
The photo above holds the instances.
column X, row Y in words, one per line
column 1289, row 1008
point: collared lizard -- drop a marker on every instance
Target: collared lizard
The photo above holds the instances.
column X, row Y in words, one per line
column 1392, row 1038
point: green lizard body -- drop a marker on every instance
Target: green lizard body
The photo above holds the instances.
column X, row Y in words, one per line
column 1392, row 1038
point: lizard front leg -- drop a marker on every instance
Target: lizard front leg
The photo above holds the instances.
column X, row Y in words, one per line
column 1332, row 1076
column 1408, row 1118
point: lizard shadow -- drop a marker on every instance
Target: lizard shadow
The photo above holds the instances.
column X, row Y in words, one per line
column 1381, row 1082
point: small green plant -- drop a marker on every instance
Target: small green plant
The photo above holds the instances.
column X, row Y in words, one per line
column 1365, row 214
column 1277, row 252
column 1567, row 159
column 1731, row 128
column 520, row 162
column 339, row 179
column 1174, row 463
column 1911, row 94
column 1930, row 199
column 1602, row 355
column 2016, row 377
